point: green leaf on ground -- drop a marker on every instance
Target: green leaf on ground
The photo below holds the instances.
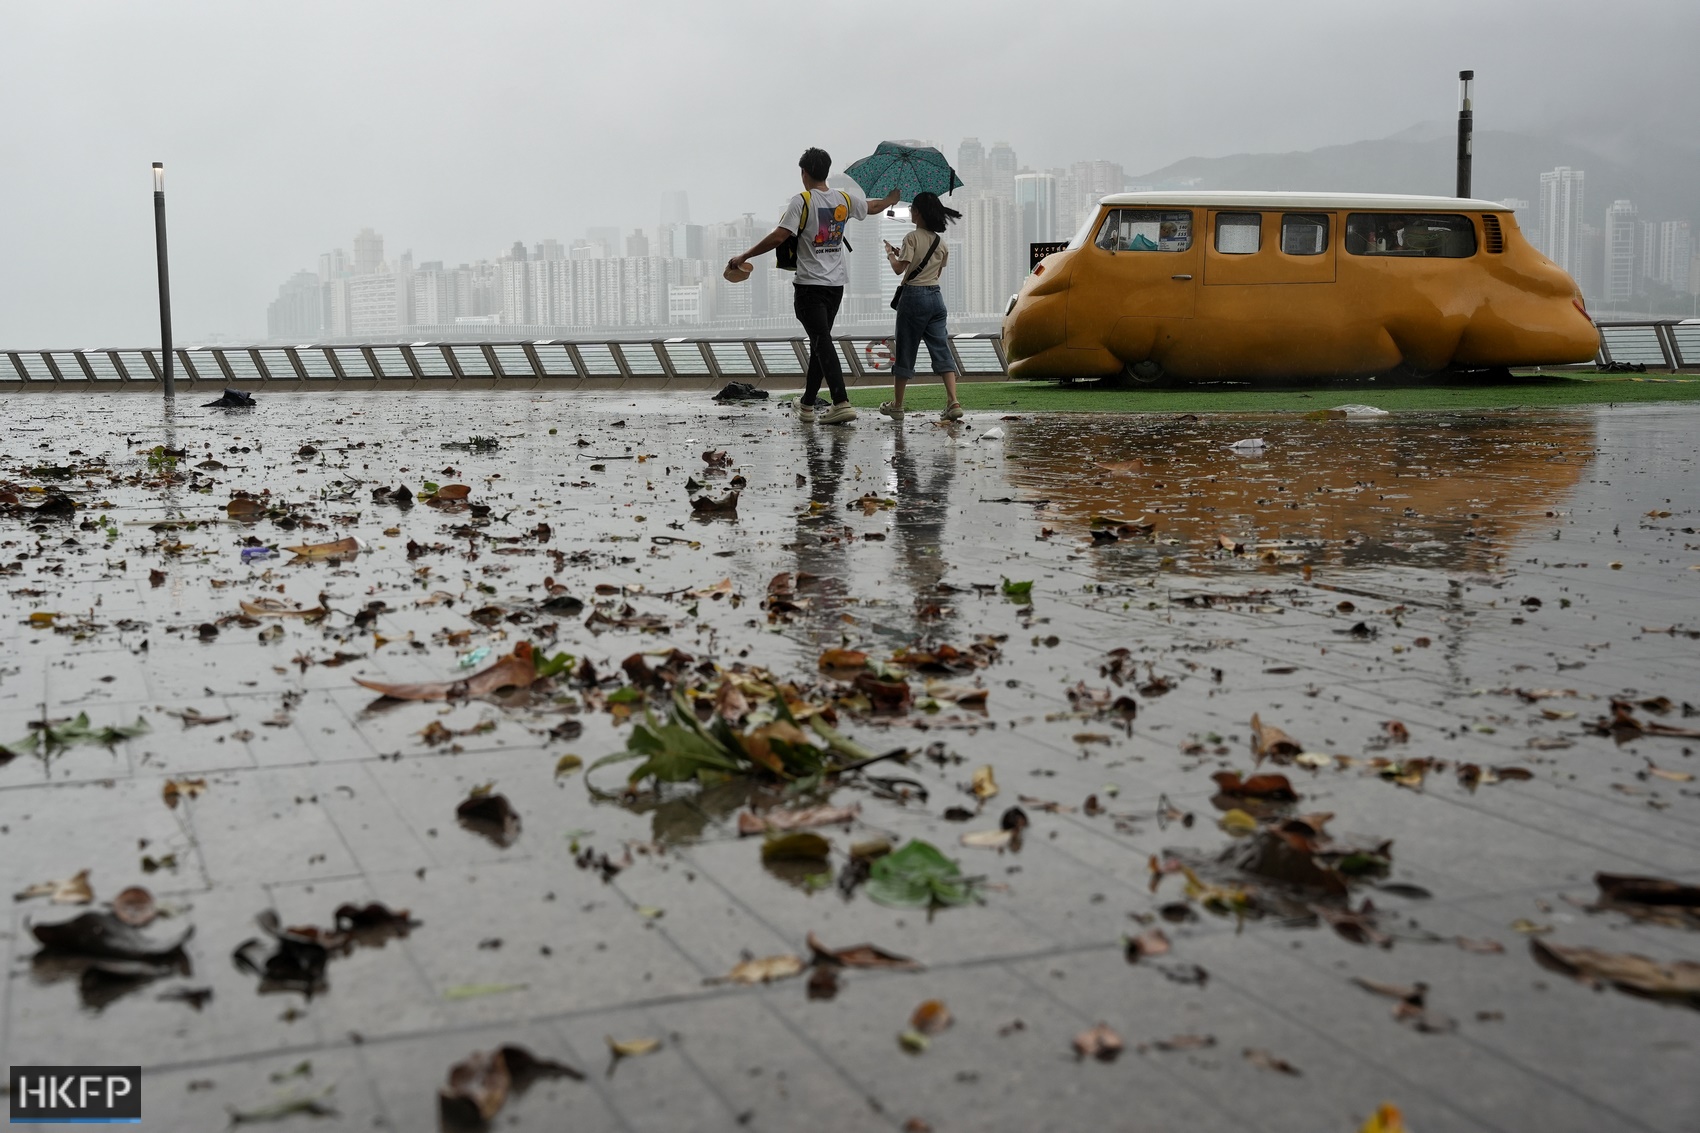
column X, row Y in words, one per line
column 552, row 666
column 1018, row 591
column 918, row 876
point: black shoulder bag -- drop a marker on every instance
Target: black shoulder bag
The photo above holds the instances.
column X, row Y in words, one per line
column 897, row 296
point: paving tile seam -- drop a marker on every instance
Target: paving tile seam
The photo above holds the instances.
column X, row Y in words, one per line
column 1210, row 1099
column 1560, row 1084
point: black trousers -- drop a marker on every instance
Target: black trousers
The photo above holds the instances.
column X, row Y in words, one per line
column 816, row 308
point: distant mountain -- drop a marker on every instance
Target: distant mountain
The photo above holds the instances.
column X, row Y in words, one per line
column 1664, row 182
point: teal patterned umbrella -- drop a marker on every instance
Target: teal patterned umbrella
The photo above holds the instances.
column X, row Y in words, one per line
column 908, row 169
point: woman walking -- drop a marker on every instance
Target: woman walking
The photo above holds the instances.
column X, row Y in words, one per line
column 920, row 306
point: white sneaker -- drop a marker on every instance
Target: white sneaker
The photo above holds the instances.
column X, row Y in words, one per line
column 838, row 415
column 891, row 410
column 805, row 413
column 953, row 413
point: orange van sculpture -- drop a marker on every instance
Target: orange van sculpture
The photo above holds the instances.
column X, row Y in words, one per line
column 1213, row 285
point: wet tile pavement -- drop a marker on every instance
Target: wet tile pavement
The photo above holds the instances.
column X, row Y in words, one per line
column 1491, row 581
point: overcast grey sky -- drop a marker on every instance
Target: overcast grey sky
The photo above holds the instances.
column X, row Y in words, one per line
column 454, row 129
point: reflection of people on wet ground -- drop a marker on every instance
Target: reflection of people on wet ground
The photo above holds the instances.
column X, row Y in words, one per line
column 922, row 504
column 820, row 546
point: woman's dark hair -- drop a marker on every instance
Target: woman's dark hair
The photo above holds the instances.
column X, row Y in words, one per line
column 816, row 162
column 931, row 213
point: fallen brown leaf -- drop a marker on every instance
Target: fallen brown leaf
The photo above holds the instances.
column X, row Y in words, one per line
column 313, row 552
column 770, row 821
column 764, row 970
column 480, row 1084
column 1098, row 1042
column 74, row 890
column 178, row 789
column 1270, row 742
column 277, row 608
column 1263, row 1060
column 1678, row 980
column 1265, row 786
column 631, row 1048
column 1152, row 942
column 843, row 659
column 931, row 1017
column 702, row 505
column 514, row 670
column 490, row 815
column 858, row 956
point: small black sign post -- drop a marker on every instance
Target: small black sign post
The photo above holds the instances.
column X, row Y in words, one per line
column 1037, row 252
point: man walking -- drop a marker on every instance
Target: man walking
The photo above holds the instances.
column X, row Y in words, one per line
column 816, row 217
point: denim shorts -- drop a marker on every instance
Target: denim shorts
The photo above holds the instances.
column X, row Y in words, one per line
column 921, row 317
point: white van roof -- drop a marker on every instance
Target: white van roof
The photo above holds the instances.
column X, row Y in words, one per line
column 1257, row 199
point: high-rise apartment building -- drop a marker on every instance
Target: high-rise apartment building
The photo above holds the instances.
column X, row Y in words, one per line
column 1001, row 168
column 1036, row 209
column 332, row 265
column 1560, row 221
column 547, row 282
column 368, row 252
column 971, row 165
column 988, row 239
column 676, row 207
column 297, row 314
column 637, row 245
column 435, row 296
column 374, row 310
column 517, row 307
column 1676, row 254
column 1621, row 278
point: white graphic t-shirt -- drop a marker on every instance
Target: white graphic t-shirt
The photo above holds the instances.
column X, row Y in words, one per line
column 820, row 249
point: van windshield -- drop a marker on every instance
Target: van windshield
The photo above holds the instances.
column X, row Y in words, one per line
column 1410, row 234
column 1146, row 230
column 1085, row 232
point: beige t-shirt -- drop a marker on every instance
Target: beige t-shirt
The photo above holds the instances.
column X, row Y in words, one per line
column 915, row 247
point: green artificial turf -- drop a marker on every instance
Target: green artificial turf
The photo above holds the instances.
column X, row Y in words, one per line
column 1531, row 391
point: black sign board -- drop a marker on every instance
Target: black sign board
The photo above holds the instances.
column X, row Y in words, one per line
column 1037, row 252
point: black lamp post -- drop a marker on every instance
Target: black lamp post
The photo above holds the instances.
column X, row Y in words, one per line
column 1466, row 127
column 164, row 278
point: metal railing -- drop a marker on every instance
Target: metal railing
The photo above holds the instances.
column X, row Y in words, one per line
column 658, row 363
column 1672, row 344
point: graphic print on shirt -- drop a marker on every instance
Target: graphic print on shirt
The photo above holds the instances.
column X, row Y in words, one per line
column 829, row 229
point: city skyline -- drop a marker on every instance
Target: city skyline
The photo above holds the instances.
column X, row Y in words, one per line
column 667, row 275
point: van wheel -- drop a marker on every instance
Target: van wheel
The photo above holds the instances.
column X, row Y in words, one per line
column 1147, row 373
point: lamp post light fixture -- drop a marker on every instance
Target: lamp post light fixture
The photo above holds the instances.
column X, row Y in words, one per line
column 164, row 280
column 1466, row 127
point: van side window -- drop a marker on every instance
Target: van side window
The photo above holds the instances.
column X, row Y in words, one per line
column 1410, row 234
column 1304, row 233
column 1238, row 233
column 1146, row 230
